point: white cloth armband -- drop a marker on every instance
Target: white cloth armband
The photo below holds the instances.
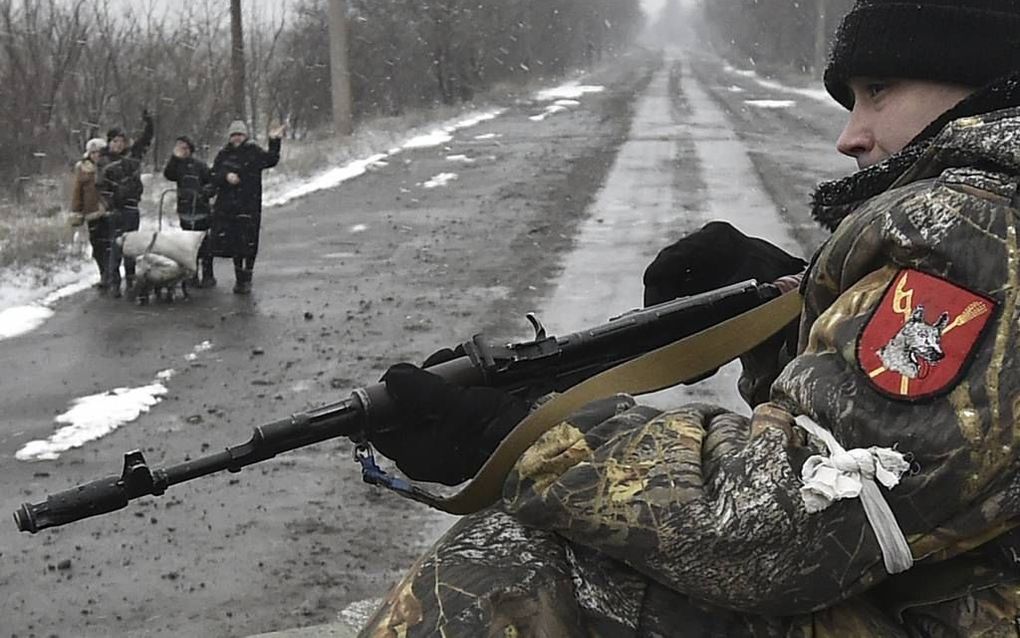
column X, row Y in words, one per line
column 851, row 474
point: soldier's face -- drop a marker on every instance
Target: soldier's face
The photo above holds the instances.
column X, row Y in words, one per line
column 117, row 144
column 889, row 113
column 236, row 139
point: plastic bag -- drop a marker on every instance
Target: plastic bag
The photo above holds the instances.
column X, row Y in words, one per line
column 179, row 245
column 163, row 256
column 158, row 269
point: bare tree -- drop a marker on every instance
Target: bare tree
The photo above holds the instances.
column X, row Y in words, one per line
column 237, row 58
column 72, row 69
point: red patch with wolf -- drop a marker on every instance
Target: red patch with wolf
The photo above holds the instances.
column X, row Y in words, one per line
column 921, row 335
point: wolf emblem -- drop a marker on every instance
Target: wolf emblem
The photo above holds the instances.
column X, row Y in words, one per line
column 917, row 345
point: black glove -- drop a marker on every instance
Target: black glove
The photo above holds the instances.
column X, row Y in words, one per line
column 714, row 256
column 448, row 431
column 146, row 116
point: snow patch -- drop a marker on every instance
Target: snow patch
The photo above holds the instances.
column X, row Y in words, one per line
column 563, row 97
column 358, row 228
column 21, row 319
column 338, row 175
column 435, row 138
column 93, row 417
column 23, row 309
column 441, row 179
column 771, row 104
column 488, row 136
column 191, row 356
column 569, row 91
column 820, row 95
column 460, row 158
column 96, row 415
column 329, row 179
column 549, row 110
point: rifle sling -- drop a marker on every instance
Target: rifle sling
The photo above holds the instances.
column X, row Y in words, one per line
column 687, row 358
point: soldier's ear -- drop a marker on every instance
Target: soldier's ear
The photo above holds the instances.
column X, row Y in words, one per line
column 918, row 314
column 943, row 321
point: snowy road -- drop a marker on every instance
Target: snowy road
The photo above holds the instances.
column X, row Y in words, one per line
column 554, row 210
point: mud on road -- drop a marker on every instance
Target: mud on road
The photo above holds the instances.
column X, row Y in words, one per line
column 349, row 281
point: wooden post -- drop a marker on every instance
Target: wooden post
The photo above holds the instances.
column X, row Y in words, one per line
column 821, row 38
column 340, row 76
column 237, row 59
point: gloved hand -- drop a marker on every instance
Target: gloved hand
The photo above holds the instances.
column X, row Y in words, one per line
column 146, row 116
column 714, row 256
column 448, row 431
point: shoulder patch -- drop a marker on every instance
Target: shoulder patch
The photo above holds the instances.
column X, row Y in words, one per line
column 920, row 338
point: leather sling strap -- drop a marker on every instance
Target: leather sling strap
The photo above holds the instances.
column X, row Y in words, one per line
column 687, row 358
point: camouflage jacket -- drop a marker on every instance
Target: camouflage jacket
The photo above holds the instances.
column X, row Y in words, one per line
column 637, row 522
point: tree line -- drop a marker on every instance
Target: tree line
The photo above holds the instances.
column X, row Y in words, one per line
column 74, row 68
column 777, row 33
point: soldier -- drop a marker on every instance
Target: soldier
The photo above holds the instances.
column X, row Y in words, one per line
column 194, row 186
column 121, row 185
column 237, row 174
column 628, row 521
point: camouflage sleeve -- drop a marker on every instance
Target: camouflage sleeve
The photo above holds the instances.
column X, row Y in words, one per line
column 708, row 502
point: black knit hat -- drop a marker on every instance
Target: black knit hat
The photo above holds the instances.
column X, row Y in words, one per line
column 968, row 42
column 187, row 141
column 116, row 131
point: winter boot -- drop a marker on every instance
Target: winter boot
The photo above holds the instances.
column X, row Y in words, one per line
column 207, row 280
column 129, row 288
column 242, row 284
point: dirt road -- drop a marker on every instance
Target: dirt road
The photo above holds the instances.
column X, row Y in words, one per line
column 385, row 268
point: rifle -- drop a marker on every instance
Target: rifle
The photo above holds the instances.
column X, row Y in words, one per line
column 529, row 370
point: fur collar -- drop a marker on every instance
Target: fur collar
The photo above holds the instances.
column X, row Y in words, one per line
column 950, row 141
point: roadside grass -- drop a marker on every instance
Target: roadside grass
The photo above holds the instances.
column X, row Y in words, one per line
column 35, row 229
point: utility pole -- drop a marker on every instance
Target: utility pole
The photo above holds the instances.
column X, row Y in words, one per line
column 236, row 60
column 821, row 38
column 340, row 75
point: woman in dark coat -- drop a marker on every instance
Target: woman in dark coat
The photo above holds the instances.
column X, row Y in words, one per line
column 237, row 175
column 194, row 186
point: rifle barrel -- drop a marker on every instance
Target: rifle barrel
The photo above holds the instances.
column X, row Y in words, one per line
column 529, row 370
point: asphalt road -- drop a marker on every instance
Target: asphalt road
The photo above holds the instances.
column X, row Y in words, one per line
column 379, row 270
